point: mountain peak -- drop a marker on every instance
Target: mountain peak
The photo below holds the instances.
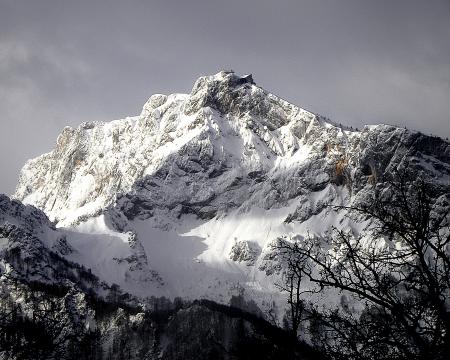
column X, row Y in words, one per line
column 220, row 92
column 228, row 77
column 199, row 143
column 198, row 186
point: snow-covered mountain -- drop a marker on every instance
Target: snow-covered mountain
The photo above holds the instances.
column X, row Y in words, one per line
column 186, row 198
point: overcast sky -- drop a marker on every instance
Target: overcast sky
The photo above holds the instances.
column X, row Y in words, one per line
column 357, row 62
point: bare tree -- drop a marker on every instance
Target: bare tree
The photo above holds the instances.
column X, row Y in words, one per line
column 293, row 275
column 399, row 269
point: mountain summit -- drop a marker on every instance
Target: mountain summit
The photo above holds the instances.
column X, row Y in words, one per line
column 226, row 122
column 130, row 238
column 186, row 198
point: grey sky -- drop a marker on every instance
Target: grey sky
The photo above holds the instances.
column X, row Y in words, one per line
column 357, row 62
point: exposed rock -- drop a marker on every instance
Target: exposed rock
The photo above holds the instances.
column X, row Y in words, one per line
column 245, row 251
column 187, row 176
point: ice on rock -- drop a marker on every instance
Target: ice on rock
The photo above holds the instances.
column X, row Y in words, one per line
column 194, row 171
column 245, row 251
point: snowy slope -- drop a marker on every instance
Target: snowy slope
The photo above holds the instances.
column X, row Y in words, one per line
column 185, row 199
column 32, row 250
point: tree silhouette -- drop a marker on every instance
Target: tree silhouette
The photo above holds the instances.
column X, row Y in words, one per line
column 398, row 269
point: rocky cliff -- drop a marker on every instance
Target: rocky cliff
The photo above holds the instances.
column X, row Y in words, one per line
column 186, row 199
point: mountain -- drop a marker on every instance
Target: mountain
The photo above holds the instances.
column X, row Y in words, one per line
column 186, row 199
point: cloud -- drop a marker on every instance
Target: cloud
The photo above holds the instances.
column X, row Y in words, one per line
column 357, row 62
column 385, row 92
column 30, row 117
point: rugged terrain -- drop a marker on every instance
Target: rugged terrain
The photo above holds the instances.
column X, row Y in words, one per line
column 186, row 199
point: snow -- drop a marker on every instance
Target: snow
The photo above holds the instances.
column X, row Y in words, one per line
column 98, row 253
column 3, row 243
column 165, row 157
column 80, row 188
column 97, row 225
column 192, row 258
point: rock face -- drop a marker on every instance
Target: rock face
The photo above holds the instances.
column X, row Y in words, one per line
column 188, row 200
column 221, row 138
column 245, row 251
column 210, row 151
column 53, row 308
column 185, row 199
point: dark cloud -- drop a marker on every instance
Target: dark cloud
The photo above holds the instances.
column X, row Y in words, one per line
column 357, row 62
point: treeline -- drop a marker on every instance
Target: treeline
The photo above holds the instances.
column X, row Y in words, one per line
column 42, row 321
